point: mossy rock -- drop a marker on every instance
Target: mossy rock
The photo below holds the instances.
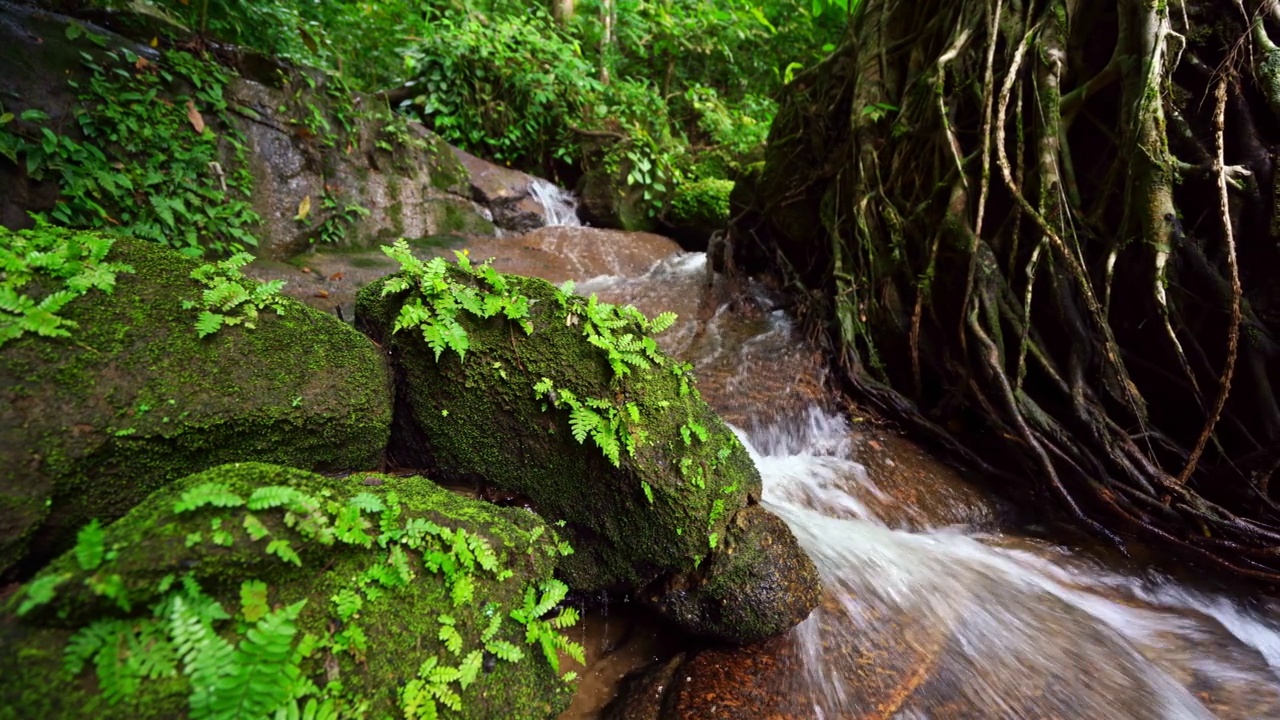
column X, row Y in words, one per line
column 698, row 209
column 397, row 615
column 702, row 202
column 653, row 521
column 134, row 399
column 605, row 200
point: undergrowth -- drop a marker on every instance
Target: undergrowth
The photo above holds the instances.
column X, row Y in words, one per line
column 143, row 159
column 57, row 266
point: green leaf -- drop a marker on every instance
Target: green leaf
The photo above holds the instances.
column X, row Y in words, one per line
column 40, row 592
column 208, row 323
column 212, row 494
column 90, row 545
column 283, row 550
column 253, row 600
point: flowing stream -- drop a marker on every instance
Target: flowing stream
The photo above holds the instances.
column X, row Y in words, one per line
column 941, row 614
column 936, row 604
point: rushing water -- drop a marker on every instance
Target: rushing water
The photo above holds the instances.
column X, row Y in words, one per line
column 559, row 205
column 944, row 620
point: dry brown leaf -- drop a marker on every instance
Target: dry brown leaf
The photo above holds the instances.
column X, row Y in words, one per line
column 337, row 276
column 304, row 209
column 197, row 121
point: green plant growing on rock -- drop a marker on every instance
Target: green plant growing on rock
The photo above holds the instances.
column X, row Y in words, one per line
column 259, row 661
column 230, row 298
column 143, row 160
column 64, row 265
column 439, row 297
column 702, row 201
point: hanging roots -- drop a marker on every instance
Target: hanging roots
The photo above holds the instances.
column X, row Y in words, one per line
column 1046, row 233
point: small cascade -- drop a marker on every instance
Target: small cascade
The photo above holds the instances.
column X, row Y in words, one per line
column 1007, row 626
column 559, row 205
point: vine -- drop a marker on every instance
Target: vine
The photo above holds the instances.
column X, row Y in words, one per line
column 144, row 161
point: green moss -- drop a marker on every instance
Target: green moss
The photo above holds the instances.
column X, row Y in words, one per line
column 455, row 216
column 480, row 418
column 302, row 389
column 701, row 202
column 400, row 623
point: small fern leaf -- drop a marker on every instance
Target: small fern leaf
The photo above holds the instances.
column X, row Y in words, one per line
column 505, row 650
column 212, row 494
column 283, row 550
column 662, row 322
column 469, row 668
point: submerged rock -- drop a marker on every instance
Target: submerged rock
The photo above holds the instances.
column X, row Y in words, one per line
column 379, row 577
column 134, row 399
column 523, row 411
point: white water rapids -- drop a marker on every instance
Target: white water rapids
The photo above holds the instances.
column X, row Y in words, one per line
column 956, row 621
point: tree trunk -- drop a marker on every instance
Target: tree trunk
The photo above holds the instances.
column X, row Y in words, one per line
column 1045, row 233
column 607, row 15
column 562, row 11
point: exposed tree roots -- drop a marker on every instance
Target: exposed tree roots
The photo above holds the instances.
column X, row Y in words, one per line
column 1047, row 234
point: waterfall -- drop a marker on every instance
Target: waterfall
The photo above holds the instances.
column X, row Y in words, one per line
column 559, row 205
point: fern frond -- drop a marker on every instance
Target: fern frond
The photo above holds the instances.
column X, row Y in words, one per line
column 212, row 494
column 254, row 687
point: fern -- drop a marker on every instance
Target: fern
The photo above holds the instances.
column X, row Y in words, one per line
column 253, row 600
column 439, row 299
column 347, row 604
column 260, row 672
column 313, row 710
column 276, row 496
column 282, row 549
column 254, row 527
column 211, row 494
column 449, row 634
column 230, row 298
column 73, row 260
column 90, row 546
column 40, row 591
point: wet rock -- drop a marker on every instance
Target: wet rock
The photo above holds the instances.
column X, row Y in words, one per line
column 134, row 399
column 398, row 616
column 632, row 523
column 412, row 186
column 606, row 201
column 759, row 581
column 506, row 192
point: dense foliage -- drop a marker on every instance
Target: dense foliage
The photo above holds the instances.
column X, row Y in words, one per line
column 656, row 92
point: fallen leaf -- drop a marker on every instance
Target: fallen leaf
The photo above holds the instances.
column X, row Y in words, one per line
column 306, row 270
column 155, row 41
column 304, row 209
column 194, row 116
column 321, row 294
column 337, row 276
column 141, row 63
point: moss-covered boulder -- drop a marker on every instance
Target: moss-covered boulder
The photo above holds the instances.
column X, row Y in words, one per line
column 698, row 209
column 134, row 399
column 252, row 587
column 567, row 402
column 605, row 200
